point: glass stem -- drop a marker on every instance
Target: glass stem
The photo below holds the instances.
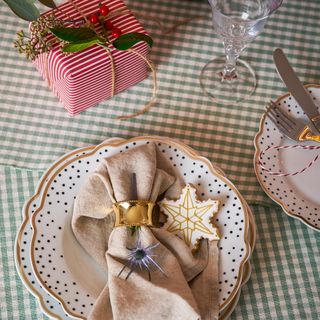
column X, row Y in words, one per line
column 232, row 52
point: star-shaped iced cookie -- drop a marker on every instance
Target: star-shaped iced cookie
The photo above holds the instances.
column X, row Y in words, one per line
column 189, row 218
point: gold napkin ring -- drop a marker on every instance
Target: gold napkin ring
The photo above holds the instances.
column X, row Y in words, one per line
column 133, row 213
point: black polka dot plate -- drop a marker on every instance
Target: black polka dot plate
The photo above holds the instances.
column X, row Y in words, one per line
column 66, row 272
column 50, row 306
column 299, row 194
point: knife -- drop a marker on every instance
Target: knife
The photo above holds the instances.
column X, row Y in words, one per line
column 295, row 87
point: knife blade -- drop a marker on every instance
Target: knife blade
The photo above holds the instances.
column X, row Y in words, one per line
column 297, row 90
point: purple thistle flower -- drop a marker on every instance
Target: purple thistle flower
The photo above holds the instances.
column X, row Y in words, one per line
column 141, row 257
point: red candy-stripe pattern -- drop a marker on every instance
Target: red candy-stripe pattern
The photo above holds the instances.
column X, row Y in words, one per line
column 84, row 79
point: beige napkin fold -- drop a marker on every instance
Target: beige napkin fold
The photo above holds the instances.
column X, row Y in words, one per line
column 165, row 296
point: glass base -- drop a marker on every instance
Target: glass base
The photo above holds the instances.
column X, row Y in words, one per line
column 227, row 91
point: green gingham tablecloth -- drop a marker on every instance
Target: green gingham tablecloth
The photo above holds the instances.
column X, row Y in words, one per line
column 35, row 130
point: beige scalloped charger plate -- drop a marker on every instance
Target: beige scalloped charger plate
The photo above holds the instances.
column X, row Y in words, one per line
column 60, row 257
column 298, row 195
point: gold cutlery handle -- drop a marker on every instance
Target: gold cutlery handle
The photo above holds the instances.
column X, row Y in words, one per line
column 306, row 135
column 312, row 137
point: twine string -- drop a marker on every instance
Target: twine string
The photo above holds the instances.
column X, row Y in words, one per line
column 46, row 69
column 154, row 91
column 113, row 71
column 119, row 12
column 164, row 30
column 287, row 174
column 76, row 7
column 174, row 27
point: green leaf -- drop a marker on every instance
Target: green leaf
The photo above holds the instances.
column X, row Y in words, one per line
column 48, row 3
column 24, row 9
column 128, row 40
column 73, row 34
column 81, row 45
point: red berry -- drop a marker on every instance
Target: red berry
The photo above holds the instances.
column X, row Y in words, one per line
column 94, row 18
column 116, row 32
column 104, row 10
column 109, row 25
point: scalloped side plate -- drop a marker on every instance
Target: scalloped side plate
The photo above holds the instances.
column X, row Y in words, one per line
column 297, row 195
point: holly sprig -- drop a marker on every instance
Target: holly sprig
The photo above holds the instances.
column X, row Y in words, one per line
column 74, row 39
column 81, row 38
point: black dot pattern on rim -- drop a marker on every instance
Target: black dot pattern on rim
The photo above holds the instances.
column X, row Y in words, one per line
column 50, row 304
column 287, row 190
column 56, row 206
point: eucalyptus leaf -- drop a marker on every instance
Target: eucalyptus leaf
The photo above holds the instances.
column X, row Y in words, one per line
column 48, row 3
column 81, row 45
column 128, row 40
column 73, row 34
column 24, row 9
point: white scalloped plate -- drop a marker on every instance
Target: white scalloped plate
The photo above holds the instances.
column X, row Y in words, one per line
column 83, row 285
column 298, row 195
column 50, row 306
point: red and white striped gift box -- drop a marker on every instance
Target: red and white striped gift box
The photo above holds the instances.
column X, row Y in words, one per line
column 84, row 79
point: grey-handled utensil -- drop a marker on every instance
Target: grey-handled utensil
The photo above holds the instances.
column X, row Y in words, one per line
column 297, row 90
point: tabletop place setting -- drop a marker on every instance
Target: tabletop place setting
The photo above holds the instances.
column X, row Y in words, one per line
column 159, row 160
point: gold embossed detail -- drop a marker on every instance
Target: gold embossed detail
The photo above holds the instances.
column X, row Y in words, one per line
column 191, row 219
column 134, row 213
column 306, row 134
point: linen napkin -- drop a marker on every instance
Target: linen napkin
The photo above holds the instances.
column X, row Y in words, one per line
column 166, row 296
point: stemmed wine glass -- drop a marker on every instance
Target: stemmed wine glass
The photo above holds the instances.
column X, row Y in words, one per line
column 228, row 79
